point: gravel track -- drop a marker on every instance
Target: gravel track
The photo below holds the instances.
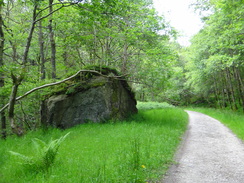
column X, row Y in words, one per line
column 209, row 153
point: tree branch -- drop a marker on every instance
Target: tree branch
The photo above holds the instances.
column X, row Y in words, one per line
column 56, row 83
column 60, row 3
column 52, row 12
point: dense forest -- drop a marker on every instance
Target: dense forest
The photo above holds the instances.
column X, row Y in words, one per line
column 45, row 41
column 216, row 57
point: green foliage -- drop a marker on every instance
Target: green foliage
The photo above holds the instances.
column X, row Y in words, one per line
column 45, row 154
column 103, row 69
column 127, row 35
column 138, row 150
column 215, row 63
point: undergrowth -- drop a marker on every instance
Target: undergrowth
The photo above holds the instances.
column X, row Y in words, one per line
column 44, row 157
column 133, row 151
column 233, row 120
column 152, row 105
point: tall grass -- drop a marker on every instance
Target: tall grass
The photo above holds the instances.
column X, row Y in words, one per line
column 233, row 120
column 152, row 105
column 136, row 150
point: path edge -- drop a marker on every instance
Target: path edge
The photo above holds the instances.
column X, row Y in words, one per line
column 167, row 178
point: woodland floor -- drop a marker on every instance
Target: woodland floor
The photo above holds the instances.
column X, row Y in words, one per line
column 209, row 153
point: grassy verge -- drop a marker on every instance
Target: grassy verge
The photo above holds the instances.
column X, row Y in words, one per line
column 153, row 105
column 233, row 120
column 137, row 150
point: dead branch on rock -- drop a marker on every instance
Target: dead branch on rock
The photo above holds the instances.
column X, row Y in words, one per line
column 59, row 82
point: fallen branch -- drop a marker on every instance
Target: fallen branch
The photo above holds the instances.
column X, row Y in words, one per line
column 56, row 83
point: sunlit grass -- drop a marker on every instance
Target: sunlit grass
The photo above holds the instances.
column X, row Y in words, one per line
column 137, row 150
column 152, row 105
column 233, row 120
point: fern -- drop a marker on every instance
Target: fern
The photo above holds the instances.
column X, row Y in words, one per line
column 45, row 154
column 23, row 159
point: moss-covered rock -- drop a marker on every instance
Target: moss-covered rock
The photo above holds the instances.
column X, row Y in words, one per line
column 89, row 97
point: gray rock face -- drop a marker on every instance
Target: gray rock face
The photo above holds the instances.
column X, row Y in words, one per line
column 101, row 99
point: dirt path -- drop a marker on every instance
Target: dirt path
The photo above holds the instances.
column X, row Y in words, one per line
column 210, row 153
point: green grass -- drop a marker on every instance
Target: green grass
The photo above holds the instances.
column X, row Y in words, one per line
column 137, row 150
column 152, row 105
column 233, row 120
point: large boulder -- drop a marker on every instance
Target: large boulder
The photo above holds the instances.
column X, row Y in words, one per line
column 93, row 99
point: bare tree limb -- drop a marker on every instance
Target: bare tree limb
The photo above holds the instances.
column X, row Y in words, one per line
column 59, row 82
column 64, row 4
column 52, row 12
column 29, row 38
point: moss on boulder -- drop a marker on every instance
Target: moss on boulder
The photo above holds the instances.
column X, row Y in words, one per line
column 89, row 97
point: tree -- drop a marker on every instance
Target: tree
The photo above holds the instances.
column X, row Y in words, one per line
column 52, row 41
column 18, row 75
column 218, row 55
column 128, row 35
column 3, row 118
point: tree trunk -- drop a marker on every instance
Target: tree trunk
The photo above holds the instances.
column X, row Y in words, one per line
column 125, row 59
column 52, row 41
column 216, row 93
column 232, row 92
column 3, row 118
column 42, row 57
column 226, row 90
column 29, row 38
column 220, row 86
column 93, row 53
column 1, row 47
column 240, row 86
column 16, row 82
